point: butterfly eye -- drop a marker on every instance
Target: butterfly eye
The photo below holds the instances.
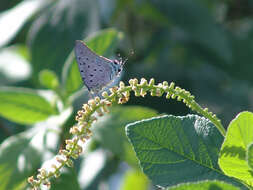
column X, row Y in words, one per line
column 116, row 62
column 119, row 70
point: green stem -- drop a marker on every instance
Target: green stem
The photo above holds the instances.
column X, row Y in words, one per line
column 120, row 95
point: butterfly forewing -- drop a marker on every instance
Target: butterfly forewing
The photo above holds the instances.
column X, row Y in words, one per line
column 96, row 71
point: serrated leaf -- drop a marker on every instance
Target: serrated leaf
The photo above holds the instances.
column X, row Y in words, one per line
column 48, row 79
column 53, row 34
column 103, row 43
column 205, row 185
column 24, row 106
column 232, row 159
column 110, row 130
column 174, row 150
column 18, row 160
column 250, row 156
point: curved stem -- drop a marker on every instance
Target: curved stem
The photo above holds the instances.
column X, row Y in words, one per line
column 120, row 95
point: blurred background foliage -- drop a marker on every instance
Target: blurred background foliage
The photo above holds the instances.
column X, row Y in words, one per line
column 205, row 46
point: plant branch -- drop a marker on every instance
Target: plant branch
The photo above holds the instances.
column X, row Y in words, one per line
column 85, row 117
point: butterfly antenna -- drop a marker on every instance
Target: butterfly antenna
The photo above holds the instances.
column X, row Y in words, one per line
column 123, row 62
column 130, row 54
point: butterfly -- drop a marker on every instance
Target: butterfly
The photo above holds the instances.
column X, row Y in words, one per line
column 96, row 71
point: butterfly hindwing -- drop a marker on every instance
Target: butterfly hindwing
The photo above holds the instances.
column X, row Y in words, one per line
column 96, row 71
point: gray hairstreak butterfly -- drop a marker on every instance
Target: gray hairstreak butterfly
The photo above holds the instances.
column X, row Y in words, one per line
column 96, row 71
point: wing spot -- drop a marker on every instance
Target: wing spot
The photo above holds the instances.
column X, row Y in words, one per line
column 87, row 58
column 88, row 66
column 95, row 69
column 90, row 80
column 91, row 75
column 81, row 70
column 101, row 70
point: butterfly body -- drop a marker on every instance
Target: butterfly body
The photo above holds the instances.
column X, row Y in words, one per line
column 96, row 71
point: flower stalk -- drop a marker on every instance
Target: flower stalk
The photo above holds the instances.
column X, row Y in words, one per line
column 85, row 118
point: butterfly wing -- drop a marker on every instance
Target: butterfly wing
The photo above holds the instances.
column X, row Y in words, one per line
column 96, row 71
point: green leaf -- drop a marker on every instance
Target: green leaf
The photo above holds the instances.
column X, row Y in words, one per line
column 21, row 155
column 18, row 160
column 67, row 180
column 11, row 21
column 134, row 179
column 24, row 106
column 204, row 185
column 232, row 159
column 110, row 130
column 103, row 42
column 53, row 34
column 49, row 79
column 250, row 156
column 174, row 150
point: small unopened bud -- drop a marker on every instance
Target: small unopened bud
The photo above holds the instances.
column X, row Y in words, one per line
column 54, row 166
column 159, row 92
column 92, row 103
column 99, row 112
column 43, row 172
column 143, row 92
column 113, row 90
column 173, row 96
column 151, row 82
column 137, row 93
column 30, row 180
column 87, row 108
column 134, row 88
column 135, row 82
column 69, row 141
column 121, row 84
column 160, row 85
column 97, row 99
column 143, row 82
column 69, row 163
column 47, row 183
column 179, row 98
column 105, row 109
column 152, row 92
column 64, row 152
column 172, row 85
column 131, row 82
column 105, row 95
column 165, row 83
column 39, row 176
column 59, row 159
column 57, row 174
column 168, row 95
column 74, row 130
